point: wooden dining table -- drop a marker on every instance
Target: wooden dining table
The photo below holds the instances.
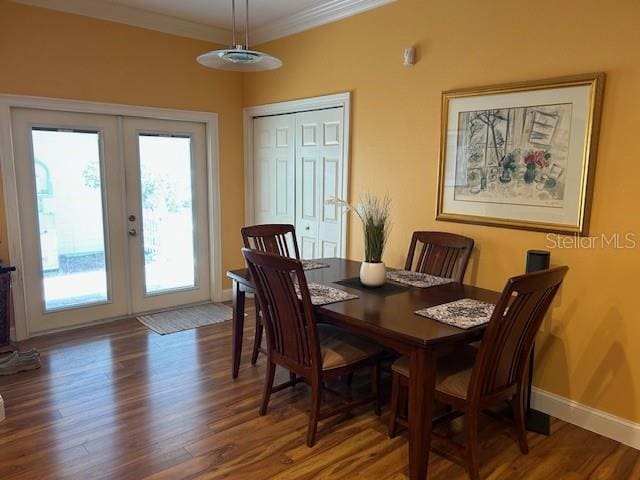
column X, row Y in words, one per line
column 387, row 316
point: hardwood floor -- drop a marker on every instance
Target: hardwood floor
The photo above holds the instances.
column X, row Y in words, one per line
column 117, row 401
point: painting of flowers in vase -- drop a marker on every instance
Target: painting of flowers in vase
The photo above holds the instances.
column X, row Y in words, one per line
column 521, row 155
column 513, row 155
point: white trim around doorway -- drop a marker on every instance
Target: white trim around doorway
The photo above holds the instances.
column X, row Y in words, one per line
column 296, row 106
column 7, row 169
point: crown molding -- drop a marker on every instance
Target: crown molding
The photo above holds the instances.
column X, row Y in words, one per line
column 135, row 17
column 313, row 17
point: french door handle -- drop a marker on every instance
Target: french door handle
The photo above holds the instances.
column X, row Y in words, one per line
column 133, row 232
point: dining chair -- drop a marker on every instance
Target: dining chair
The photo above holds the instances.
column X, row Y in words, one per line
column 471, row 380
column 314, row 352
column 439, row 253
column 277, row 238
column 274, row 238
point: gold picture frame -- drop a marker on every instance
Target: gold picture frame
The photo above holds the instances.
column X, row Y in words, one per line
column 521, row 155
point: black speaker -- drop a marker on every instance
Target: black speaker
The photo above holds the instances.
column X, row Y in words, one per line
column 537, row 260
column 535, row 420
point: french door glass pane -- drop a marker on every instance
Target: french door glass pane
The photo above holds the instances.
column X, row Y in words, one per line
column 70, row 217
column 167, row 212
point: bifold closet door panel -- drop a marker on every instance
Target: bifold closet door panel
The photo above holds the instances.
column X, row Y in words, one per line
column 319, row 177
column 273, row 169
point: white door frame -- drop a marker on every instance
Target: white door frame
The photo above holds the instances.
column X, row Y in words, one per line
column 7, row 169
column 295, row 106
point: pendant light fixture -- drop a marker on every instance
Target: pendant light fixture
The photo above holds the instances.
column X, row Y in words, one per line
column 239, row 57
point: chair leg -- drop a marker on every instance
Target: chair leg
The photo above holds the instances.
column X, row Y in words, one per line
column 292, row 377
column 517, row 404
column 375, row 386
column 316, row 397
column 403, row 399
column 395, row 404
column 349, row 379
column 257, row 338
column 473, row 447
column 268, row 386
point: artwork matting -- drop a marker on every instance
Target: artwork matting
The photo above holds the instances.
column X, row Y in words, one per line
column 521, row 155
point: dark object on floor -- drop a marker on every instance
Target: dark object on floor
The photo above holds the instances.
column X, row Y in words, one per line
column 5, row 303
column 535, row 420
column 20, row 362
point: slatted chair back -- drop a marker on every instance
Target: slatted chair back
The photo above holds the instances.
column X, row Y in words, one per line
column 506, row 347
column 292, row 338
column 439, row 253
column 273, row 238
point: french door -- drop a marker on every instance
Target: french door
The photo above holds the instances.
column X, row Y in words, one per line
column 167, row 218
column 113, row 215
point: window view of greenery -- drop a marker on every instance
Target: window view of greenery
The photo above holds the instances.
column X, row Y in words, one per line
column 70, row 218
column 69, row 187
column 167, row 212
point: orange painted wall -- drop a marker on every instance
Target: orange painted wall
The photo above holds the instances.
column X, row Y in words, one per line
column 52, row 54
column 590, row 345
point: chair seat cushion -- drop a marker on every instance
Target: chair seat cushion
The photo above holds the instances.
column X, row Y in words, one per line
column 453, row 374
column 340, row 348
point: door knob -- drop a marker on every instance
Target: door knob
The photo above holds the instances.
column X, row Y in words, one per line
column 307, row 227
column 132, row 232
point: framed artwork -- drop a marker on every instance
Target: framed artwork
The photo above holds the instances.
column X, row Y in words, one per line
column 521, row 155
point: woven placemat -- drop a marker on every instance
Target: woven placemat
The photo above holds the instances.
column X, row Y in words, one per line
column 464, row 313
column 416, row 279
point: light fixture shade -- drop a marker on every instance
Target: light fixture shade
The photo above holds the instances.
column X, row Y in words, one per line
column 239, row 60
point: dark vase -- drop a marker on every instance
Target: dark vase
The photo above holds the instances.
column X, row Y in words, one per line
column 505, row 177
column 530, row 173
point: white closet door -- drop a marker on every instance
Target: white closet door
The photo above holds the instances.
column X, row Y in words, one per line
column 273, row 177
column 319, row 167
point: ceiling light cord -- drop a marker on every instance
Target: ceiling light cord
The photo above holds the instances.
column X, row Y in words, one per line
column 239, row 57
column 233, row 23
column 246, row 26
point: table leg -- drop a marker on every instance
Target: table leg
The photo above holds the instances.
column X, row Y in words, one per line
column 422, row 381
column 237, row 328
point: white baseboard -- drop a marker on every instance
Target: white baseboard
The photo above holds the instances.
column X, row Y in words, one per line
column 103, row 321
column 602, row 423
column 227, row 295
